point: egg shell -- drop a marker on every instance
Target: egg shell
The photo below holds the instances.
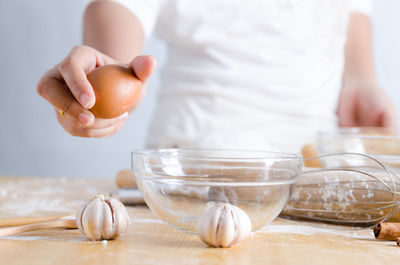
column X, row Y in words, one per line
column 116, row 88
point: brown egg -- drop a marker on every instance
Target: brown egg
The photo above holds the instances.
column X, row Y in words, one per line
column 117, row 89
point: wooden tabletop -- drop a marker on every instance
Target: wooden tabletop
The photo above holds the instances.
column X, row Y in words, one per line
column 149, row 241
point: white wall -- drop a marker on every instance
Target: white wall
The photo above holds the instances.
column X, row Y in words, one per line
column 35, row 35
column 386, row 22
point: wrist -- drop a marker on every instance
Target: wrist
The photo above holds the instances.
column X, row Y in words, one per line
column 360, row 82
column 360, row 75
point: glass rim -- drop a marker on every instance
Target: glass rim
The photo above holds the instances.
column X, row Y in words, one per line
column 262, row 155
column 355, row 132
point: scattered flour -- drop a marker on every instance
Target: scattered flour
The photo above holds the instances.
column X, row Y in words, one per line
column 156, row 221
column 310, row 230
column 33, row 196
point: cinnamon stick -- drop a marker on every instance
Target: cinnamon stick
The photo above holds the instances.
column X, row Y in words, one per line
column 387, row 231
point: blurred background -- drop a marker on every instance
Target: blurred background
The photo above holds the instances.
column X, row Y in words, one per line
column 35, row 35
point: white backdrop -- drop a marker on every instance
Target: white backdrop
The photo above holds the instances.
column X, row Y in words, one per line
column 35, row 35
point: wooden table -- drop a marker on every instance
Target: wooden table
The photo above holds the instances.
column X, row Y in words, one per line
column 149, row 241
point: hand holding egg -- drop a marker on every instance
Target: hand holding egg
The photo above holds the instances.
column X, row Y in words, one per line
column 68, row 89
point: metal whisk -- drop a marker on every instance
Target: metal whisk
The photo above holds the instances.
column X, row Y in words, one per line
column 350, row 189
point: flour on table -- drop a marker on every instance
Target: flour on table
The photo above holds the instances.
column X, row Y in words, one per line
column 146, row 220
column 298, row 228
column 36, row 197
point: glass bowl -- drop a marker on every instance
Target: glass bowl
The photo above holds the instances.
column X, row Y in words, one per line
column 180, row 185
column 375, row 142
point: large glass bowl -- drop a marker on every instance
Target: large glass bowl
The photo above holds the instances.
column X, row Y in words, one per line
column 180, row 185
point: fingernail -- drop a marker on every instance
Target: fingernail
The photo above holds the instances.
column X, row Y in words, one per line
column 123, row 116
column 85, row 100
column 84, row 118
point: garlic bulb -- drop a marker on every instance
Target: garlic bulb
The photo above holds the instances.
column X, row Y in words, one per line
column 224, row 225
column 102, row 218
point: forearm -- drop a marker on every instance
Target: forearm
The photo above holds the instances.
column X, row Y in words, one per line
column 359, row 61
column 113, row 30
column 362, row 102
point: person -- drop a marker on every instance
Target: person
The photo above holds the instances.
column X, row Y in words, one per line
column 256, row 75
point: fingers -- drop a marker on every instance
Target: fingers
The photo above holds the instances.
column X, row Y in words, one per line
column 75, row 67
column 57, row 94
column 96, row 133
column 389, row 121
column 101, row 128
column 104, row 123
column 143, row 66
column 73, row 72
column 346, row 111
column 363, row 105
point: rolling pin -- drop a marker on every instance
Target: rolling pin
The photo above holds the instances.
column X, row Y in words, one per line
column 128, row 192
column 125, row 180
column 309, row 151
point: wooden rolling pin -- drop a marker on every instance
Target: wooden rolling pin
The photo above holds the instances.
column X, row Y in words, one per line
column 128, row 192
column 309, row 151
column 125, row 179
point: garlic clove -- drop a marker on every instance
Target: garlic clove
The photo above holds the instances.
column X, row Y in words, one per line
column 92, row 218
column 80, row 213
column 120, row 216
column 245, row 226
column 226, row 229
column 224, row 225
column 108, row 223
column 208, row 235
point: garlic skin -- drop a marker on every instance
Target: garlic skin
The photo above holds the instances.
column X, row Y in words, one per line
column 223, row 225
column 102, row 218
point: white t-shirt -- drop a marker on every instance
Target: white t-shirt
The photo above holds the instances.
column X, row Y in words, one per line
column 255, row 74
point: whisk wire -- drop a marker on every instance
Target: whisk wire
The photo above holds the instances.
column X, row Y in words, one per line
column 357, row 195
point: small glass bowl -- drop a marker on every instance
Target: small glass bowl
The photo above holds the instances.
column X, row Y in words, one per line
column 179, row 185
column 373, row 141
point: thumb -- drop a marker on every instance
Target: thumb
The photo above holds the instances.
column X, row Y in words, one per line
column 143, row 66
